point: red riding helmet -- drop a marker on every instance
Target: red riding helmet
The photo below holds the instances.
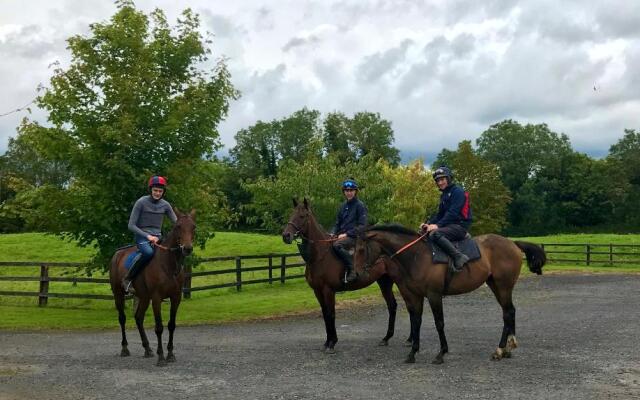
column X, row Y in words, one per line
column 158, row 181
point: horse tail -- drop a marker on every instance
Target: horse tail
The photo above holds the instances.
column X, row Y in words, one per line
column 536, row 257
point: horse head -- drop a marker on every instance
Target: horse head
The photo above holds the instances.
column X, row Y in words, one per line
column 298, row 225
column 184, row 230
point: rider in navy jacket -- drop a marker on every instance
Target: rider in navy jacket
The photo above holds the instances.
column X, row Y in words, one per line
column 351, row 217
column 453, row 220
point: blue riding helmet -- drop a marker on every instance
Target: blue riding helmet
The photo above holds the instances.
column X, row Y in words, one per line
column 442, row 171
column 349, row 184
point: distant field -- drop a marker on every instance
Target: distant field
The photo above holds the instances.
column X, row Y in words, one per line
column 220, row 305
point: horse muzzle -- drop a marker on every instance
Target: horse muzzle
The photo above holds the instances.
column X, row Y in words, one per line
column 287, row 237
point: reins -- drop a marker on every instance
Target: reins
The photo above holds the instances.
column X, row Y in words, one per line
column 299, row 233
column 406, row 246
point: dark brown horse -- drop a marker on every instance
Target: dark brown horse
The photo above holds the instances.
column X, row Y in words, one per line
column 162, row 278
column 325, row 271
column 418, row 277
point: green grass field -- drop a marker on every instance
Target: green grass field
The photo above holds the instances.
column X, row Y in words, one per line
column 219, row 305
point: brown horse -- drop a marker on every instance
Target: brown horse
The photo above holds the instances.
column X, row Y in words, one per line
column 325, row 272
column 162, row 278
column 418, row 277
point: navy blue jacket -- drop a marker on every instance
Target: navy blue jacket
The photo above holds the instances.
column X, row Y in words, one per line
column 351, row 217
column 454, row 208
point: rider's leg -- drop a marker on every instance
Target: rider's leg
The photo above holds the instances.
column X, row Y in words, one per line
column 146, row 253
column 443, row 236
column 342, row 247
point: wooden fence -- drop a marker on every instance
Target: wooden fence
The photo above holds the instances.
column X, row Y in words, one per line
column 593, row 254
column 277, row 265
column 275, row 270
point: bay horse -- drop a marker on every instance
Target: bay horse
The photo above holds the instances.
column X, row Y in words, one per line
column 162, row 278
column 418, row 277
column 325, row 271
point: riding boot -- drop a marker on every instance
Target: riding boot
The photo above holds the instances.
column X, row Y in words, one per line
column 131, row 275
column 347, row 260
column 459, row 259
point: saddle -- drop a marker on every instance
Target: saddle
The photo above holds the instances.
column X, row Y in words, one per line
column 466, row 246
column 131, row 258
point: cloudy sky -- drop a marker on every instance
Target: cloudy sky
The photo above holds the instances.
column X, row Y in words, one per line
column 441, row 71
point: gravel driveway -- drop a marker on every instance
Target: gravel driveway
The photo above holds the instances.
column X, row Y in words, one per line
column 579, row 338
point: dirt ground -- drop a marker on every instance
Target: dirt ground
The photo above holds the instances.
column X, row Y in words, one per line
column 579, row 338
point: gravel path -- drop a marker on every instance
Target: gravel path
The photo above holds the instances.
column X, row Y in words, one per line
column 579, row 338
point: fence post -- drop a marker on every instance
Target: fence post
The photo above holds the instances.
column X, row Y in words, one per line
column 611, row 254
column 283, row 267
column 238, row 274
column 186, row 290
column 270, row 269
column 44, row 285
column 588, row 254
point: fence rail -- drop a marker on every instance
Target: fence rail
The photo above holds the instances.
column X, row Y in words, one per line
column 592, row 254
column 275, row 270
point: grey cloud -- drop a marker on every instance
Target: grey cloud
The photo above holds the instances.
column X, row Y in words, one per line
column 264, row 19
column 300, row 42
column 619, row 19
column 375, row 66
column 27, row 43
column 220, row 26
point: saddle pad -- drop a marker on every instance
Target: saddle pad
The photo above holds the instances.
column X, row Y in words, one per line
column 467, row 246
column 130, row 258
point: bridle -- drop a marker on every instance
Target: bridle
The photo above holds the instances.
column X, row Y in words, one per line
column 298, row 232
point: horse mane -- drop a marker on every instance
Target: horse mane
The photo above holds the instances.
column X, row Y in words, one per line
column 393, row 228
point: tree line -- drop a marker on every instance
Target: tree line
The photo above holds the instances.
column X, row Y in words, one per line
column 142, row 97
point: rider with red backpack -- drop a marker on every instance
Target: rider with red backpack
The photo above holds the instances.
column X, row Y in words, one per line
column 453, row 219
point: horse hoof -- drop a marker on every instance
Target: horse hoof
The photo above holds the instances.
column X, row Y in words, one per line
column 437, row 361
column 497, row 356
column 330, row 350
column 125, row 352
column 383, row 343
column 411, row 359
column 148, row 353
column 512, row 343
column 171, row 358
column 507, row 354
column 161, row 363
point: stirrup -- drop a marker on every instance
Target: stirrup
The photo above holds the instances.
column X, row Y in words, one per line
column 128, row 287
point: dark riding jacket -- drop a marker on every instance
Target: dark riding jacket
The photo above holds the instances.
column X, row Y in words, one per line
column 351, row 217
column 454, row 208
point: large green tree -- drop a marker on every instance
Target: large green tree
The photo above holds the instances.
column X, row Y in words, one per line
column 624, row 180
column 261, row 147
column 525, row 156
column 138, row 98
column 522, row 151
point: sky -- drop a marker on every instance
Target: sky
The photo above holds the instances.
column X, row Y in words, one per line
column 440, row 71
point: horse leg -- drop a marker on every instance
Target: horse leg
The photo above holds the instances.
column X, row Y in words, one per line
column 175, row 302
column 508, row 339
column 143, row 304
column 386, row 287
column 435, row 302
column 157, row 314
column 327, row 300
column 414, row 306
column 122, row 318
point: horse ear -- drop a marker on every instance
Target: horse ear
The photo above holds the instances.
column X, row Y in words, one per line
column 295, row 202
column 178, row 212
column 306, row 203
column 192, row 213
